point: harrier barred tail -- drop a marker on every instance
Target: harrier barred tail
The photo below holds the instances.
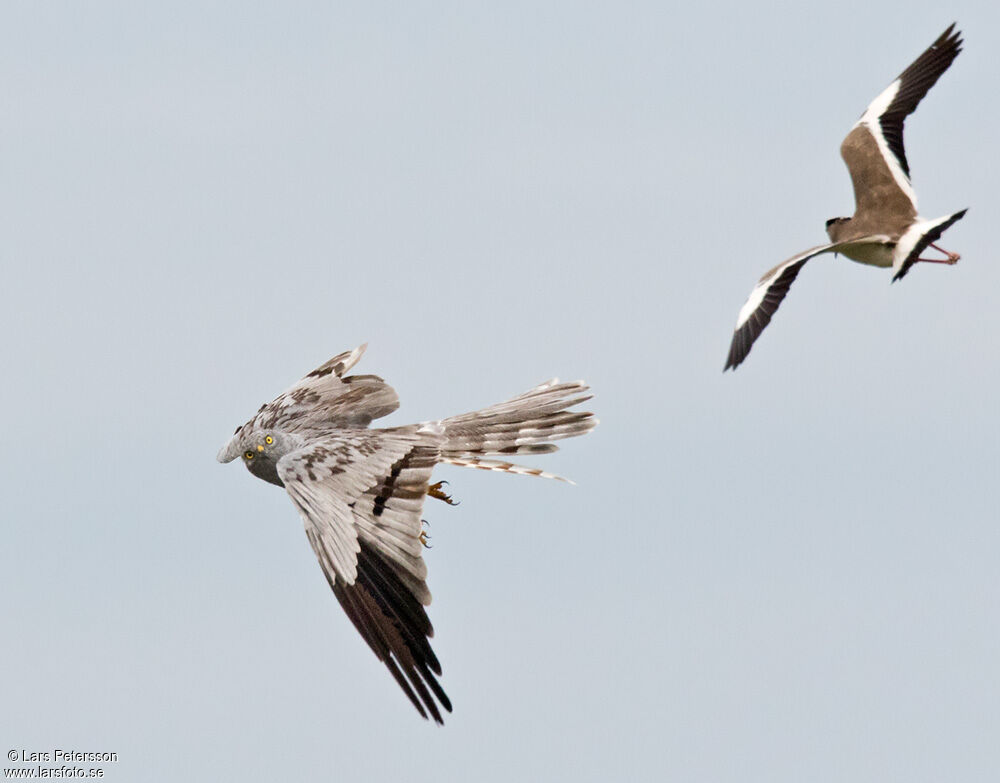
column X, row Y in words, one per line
column 361, row 492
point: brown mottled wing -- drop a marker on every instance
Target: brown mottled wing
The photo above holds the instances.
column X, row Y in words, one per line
column 873, row 150
column 326, row 399
column 879, row 193
column 360, row 495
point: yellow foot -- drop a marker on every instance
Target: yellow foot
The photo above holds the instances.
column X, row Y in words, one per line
column 435, row 491
column 425, row 536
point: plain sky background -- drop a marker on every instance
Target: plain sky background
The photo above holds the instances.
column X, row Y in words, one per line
column 784, row 574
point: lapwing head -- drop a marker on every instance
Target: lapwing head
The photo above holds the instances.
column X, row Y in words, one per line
column 834, row 225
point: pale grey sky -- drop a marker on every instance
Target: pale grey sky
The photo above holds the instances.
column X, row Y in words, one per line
column 788, row 573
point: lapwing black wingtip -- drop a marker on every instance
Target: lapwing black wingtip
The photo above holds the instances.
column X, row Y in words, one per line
column 738, row 349
column 899, row 275
column 950, row 39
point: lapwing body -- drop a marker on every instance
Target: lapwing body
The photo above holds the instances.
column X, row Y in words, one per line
column 886, row 229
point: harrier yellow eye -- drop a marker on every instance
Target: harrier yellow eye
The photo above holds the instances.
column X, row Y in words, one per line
column 248, row 455
column 268, row 440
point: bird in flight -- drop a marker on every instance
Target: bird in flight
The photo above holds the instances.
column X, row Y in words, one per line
column 886, row 230
column 360, row 492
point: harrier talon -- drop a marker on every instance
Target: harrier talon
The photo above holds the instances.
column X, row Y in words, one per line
column 424, row 536
column 435, row 491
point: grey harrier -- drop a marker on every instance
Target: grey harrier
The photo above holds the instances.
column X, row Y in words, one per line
column 361, row 492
